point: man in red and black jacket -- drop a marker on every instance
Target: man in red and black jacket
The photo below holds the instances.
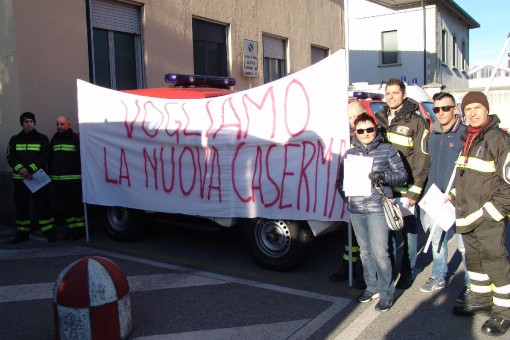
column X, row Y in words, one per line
column 482, row 203
column 65, row 171
column 27, row 153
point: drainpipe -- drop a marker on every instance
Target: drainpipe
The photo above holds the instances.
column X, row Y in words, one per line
column 346, row 39
column 424, row 43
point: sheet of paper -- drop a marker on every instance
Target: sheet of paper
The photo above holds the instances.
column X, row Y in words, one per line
column 403, row 203
column 442, row 213
column 356, row 170
column 38, row 180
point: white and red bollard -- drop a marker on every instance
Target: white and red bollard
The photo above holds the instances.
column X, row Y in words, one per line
column 91, row 301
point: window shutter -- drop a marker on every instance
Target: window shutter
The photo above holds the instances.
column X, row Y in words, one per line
column 115, row 16
column 318, row 54
column 273, row 48
column 208, row 31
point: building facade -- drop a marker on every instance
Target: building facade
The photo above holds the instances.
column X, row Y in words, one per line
column 485, row 75
column 46, row 46
column 427, row 40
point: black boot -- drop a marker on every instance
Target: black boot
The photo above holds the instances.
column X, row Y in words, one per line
column 360, row 280
column 51, row 235
column 471, row 308
column 495, row 326
column 68, row 234
column 77, row 234
column 342, row 274
column 21, row 236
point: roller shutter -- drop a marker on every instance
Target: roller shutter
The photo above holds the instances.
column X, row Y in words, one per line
column 115, row 16
column 273, row 48
column 318, row 54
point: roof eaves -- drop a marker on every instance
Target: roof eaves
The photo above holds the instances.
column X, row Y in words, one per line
column 450, row 4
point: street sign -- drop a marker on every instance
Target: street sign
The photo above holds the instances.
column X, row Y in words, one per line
column 251, row 59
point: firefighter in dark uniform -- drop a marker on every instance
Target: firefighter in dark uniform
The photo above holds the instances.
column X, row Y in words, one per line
column 407, row 131
column 65, row 171
column 28, row 152
column 482, row 203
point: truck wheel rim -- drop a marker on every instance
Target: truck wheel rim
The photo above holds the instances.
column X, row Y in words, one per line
column 273, row 237
column 117, row 217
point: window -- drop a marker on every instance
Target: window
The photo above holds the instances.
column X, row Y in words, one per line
column 274, row 58
column 389, row 47
column 454, row 52
column 116, row 45
column 318, row 53
column 486, row 71
column 210, row 48
column 463, row 56
column 444, row 46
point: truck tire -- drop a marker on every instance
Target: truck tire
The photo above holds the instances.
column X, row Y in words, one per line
column 278, row 245
column 123, row 224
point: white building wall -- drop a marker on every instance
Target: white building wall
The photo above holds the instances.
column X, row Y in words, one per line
column 366, row 22
column 417, row 59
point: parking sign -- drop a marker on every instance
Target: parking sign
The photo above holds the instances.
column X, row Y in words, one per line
column 251, row 61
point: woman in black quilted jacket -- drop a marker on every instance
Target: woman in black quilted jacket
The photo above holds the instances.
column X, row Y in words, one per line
column 366, row 212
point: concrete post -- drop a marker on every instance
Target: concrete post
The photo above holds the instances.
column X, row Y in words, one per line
column 91, row 301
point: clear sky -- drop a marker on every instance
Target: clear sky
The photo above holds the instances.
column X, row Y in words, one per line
column 487, row 41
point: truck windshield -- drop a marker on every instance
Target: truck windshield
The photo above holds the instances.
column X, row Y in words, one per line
column 377, row 106
column 429, row 107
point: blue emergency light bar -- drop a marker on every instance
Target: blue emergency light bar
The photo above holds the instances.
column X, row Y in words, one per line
column 414, row 81
column 186, row 80
column 367, row 95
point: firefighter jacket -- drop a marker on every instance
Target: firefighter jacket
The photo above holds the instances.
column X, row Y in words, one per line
column 408, row 132
column 482, row 181
column 64, row 165
column 27, row 150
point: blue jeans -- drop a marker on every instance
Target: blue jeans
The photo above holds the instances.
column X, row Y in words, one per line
column 439, row 244
column 410, row 237
column 372, row 234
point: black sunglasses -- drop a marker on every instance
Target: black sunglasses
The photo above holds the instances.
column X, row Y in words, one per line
column 445, row 108
column 362, row 131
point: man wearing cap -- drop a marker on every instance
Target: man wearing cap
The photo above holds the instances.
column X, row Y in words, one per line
column 482, row 203
column 65, row 171
column 28, row 152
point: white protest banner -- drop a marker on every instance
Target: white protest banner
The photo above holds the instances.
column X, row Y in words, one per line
column 272, row 151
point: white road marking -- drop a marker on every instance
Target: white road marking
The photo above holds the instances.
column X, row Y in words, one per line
column 361, row 322
column 316, row 323
column 29, row 253
column 37, row 291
